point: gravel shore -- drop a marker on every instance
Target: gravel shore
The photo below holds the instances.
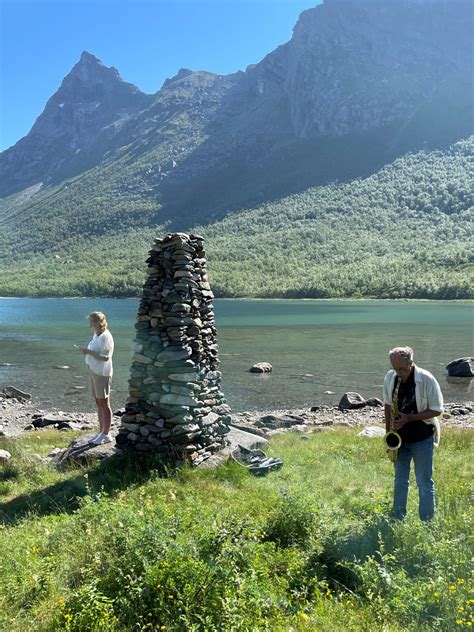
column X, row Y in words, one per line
column 18, row 416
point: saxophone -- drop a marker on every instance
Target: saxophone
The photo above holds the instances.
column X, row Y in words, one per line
column 392, row 439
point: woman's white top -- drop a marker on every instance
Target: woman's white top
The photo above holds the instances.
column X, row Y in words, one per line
column 103, row 344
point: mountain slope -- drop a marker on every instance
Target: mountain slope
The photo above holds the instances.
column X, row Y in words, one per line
column 405, row 231
column 359, row 85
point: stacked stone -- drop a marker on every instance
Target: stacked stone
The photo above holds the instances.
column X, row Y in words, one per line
column 175, row 406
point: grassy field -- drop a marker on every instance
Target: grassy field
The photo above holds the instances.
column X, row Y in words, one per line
column 122, row 546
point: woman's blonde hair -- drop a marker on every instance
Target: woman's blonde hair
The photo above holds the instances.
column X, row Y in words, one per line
column 98, row 318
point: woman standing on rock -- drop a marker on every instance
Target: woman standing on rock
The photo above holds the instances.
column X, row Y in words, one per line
column 99, row 360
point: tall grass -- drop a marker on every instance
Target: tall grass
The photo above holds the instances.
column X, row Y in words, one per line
column 135, row 546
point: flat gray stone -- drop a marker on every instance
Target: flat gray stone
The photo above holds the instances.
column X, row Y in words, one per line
column 130, row 426
column 280, row 421
column 183, row 377
column 169, row 355
column 15, row 393
column 179, row 400
column 141, row 359
column 50, row 420
column 209, row 419
column 235, row 437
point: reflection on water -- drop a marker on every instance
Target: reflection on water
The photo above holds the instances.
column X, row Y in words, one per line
column 314, row 347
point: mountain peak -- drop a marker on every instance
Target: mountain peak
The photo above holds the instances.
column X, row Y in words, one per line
column 87, row 57
column 181, row 74
column 89, row 68
column 93, row 102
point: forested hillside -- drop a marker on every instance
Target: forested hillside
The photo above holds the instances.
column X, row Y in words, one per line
column 338, row 165
column 406, row 231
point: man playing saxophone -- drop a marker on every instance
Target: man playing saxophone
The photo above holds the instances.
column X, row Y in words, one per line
column 413, row 400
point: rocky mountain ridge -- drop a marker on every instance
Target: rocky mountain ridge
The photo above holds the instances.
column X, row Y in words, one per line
column 73, row 131
column 359, row 83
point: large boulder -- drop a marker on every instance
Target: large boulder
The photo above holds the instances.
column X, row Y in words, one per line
column 5, row 456
column 11, row 392
column 83, row 452
column 261, row 367
column 351, row 401
column 462, row 367
column 374, row 402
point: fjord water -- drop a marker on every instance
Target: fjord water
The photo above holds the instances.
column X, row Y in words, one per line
column 314, row 346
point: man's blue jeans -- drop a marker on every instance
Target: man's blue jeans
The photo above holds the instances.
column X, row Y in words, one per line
column 422, row 454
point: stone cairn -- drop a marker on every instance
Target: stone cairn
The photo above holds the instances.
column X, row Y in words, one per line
column 176, row 408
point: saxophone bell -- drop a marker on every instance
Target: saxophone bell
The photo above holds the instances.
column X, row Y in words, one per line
column 392, row 441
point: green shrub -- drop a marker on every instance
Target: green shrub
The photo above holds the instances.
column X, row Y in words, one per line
column 292, row 523
column 86, row 609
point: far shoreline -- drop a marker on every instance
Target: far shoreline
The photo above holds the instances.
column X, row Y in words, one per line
column 347, row 299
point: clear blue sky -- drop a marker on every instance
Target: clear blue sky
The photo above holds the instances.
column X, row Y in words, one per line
column 146, row 40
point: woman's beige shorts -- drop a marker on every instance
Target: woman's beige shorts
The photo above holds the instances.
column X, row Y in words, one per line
column 99, row 385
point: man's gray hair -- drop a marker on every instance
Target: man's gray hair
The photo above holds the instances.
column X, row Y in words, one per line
column 403, row 352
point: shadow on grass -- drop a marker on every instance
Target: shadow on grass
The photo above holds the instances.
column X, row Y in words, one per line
column 334, row 562
column 110, row 476
column 9, row 473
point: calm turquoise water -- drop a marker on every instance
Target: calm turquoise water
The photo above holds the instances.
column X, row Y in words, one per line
column 314, row 346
